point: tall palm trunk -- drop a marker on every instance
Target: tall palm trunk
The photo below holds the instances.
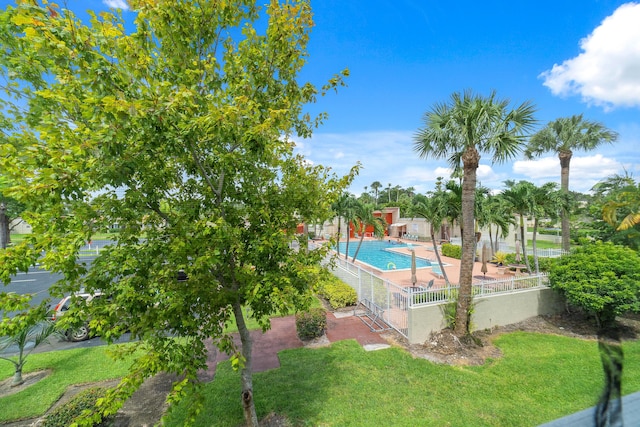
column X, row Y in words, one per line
column 435, row 250
column 470, row 160
column 524, row 244
column 346, row 248
column 362, row 228
column 534, row 245
column 339, row 236
column 246, row 376
column 565, row 159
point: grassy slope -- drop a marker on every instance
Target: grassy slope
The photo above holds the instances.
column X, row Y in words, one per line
column 540, row 378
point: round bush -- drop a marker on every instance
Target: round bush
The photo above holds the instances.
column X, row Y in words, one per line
column 311, row 324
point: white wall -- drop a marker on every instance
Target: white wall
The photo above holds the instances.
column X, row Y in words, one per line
column 489, row 311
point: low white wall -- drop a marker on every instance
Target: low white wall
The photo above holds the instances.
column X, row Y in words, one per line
column 489, row 311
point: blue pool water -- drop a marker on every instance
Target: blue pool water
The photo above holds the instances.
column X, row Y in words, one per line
column 376, row 254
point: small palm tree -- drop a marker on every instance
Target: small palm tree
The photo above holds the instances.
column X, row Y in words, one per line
column 497, row 213
column 29, row 333
column 376, row 186
column 460, row 131
column 434, row 210
column 365, row 218
column 562, row 136
column 520, row 197
column 548, row 202
column 343, row 208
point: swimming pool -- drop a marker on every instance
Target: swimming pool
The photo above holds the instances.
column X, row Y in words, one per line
column 376, row 254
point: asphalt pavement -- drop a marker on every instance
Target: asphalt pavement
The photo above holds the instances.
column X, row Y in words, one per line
column 37, row 281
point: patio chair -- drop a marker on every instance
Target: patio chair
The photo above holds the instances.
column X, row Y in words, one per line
column 437, row 271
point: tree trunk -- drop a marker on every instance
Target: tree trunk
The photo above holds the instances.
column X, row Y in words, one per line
column 492, row 245
column 470, row 160
column 535, row 246
column 246, row 376
column 346, row 247
column 435, row 249
column 359, row 246
column 4, row 226
column 524, row 244
column 565, row 159
column 339, row 236
column 17, row 377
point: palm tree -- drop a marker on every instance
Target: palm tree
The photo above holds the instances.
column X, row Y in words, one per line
column 34, row 333
column 496, row 212
column 562, row 136
column 520, row 197
column 548, row 201
column 454, row 204
column 342, row 208
column 627, row 202
column 434, row 209
column 389, row 191
column 460, row 131
column 349, row 215
column 364, row 217
column 376, row 186
column 411, row 191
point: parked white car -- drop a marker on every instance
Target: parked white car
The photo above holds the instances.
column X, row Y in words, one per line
column 79, row 333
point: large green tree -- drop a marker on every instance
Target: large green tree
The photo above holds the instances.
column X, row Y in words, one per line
column 563, row 136
column 460, row 131
column 178, row 131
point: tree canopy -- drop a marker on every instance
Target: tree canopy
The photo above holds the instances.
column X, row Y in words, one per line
column 179, row 132
column 601, row 278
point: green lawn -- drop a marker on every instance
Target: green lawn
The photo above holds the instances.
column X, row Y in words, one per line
column 540, row 378
column 77, row 366
column 69, row 367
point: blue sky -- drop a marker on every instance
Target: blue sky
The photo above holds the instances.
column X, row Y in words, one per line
column 569, row 57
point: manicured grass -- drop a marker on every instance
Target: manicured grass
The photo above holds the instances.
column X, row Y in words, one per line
column 77, row 366
column 544, row 244
column 540, row 378
column 68, row 367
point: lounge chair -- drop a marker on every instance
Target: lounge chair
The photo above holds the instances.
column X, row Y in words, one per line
column 437, row 271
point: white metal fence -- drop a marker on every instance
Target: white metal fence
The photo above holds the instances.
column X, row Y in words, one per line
column 376, row 291
column 393, row 302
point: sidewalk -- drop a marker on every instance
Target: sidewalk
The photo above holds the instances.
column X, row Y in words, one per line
column 283, row 335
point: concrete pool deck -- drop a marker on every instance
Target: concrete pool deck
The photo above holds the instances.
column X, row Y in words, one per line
column 424, row 250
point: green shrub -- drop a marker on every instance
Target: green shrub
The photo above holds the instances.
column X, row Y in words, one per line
column 452, row 251
column 311, row 324
column 545, row 264
column 338, row 293
column 601, row 278
column 65, row 414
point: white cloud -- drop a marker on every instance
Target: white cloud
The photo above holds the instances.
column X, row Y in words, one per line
column 544, row 167
column 117, row 4
column 607, row 72
column 388, row 157
column 584, row 171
